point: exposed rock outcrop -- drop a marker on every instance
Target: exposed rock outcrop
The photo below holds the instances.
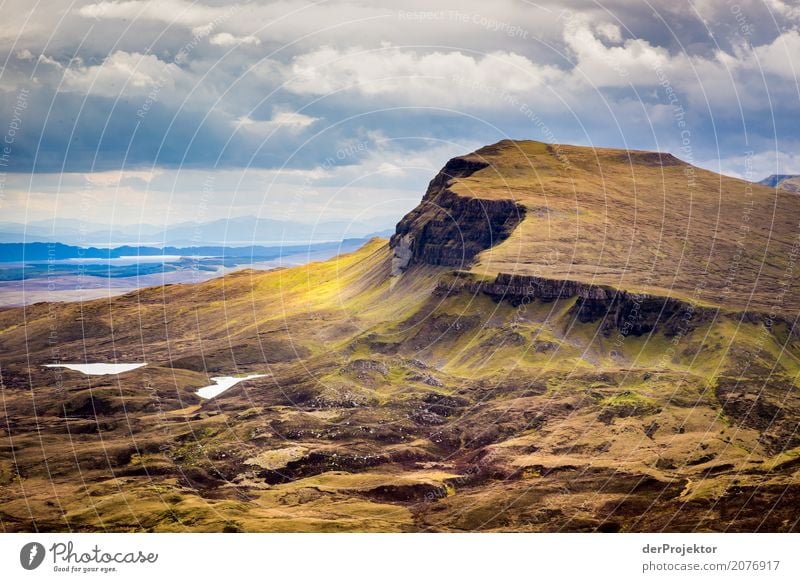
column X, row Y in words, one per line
column 628, row 313
column 449, row 229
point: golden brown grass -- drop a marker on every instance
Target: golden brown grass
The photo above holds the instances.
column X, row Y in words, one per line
column 640, row 221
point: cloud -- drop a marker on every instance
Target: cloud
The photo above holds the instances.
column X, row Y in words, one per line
column 600, row 60
column 116, row 177
column 757, row 165
column 390, row 169
column 727, row 81
column 45, row 60
column 280, row 120
column 779, row 57
column 203, row 30
column 407, row 76
column 603, row 65
column 168, row 11
column 784, row 9
column 325, row 76
column 121, row 72
column 226, row 39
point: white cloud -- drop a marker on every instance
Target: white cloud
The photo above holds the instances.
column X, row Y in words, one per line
column 390, row 169
column 785, row 9
column 44, row 59
column 609, row 31
column 501, row 80
column 634, row 61
column 226, row 39
column 114, row 177
column 724, row 80
column 408, row 76
column 280, row 120
column 756, row 166
column 201, row 19
column 168, row 11
column 780, row 56
column 203, row 30
column 134, row 73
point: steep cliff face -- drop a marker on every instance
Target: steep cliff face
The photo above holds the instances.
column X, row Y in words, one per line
column 619, row 311
column 449, row 229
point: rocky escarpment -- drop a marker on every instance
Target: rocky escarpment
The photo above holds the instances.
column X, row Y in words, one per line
column 621, row 311
column 449, row 229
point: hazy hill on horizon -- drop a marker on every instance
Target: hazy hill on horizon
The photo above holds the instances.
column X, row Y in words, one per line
column 788, row 182
column 237, row 231
column 41, row 251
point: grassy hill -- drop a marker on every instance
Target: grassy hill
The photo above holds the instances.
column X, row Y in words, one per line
column 530, row 352
column 640, row 221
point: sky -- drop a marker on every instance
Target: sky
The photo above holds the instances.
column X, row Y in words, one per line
column 134, row 111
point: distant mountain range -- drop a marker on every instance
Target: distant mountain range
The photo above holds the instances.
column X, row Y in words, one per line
column 241, row 230
column 42, row 251
column 787, row 182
